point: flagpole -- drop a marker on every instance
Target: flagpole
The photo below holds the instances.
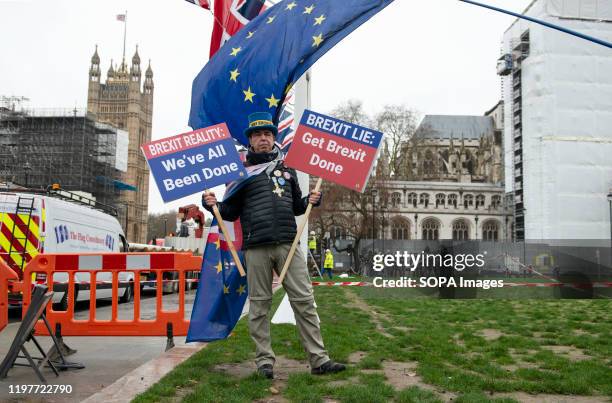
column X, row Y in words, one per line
column 228, row 239
column 298, row 235
column 546, row 24
column 124, row 34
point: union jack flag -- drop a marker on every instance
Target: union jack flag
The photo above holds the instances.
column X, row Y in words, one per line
column 285, row 122
column 202, row 3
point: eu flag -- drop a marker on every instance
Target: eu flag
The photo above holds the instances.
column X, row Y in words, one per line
column 222, row 292
column 255, row 69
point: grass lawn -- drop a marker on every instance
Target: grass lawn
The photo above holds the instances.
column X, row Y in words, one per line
column 417, row 349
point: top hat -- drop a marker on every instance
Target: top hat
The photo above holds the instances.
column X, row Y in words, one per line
column 260, row 121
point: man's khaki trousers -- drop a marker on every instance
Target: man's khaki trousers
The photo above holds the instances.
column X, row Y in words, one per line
column 261, row 260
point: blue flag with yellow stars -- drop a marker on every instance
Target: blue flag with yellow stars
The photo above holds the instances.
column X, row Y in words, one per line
column 257, row 66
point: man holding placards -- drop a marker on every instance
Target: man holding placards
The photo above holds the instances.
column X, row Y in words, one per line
column 267, row 206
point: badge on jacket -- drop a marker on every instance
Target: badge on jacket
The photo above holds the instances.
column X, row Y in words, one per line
column 277, row 189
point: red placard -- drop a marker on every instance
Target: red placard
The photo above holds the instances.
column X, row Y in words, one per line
column 334, row 150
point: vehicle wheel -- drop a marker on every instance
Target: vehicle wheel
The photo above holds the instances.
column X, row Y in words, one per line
column 128, row 294
column 63, row 304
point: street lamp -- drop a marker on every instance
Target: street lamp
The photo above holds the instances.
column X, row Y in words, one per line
column 126, row 210
column 524, row 238
column 384, row 210
column 27, row 168
column 373, row 220
column 165, row 227
column 476, row 230
column 506, row 232
column 416, row 227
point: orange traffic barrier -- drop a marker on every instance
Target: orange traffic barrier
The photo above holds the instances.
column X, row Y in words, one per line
column 165, row 322
column 6, row 274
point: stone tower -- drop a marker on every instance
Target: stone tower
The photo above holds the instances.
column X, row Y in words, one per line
column 126, row 102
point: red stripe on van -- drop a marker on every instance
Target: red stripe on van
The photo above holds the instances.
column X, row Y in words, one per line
column 33, row 242
column 6, row 232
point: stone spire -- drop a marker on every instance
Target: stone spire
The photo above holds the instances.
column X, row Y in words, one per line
column 111, row 71
column 95, row 59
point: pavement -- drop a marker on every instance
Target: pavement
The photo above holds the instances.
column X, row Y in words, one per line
column 106, row 359
column 116, row 369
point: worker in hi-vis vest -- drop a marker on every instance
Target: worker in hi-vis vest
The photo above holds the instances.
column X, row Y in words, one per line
column 312, row 243
column 328, row 264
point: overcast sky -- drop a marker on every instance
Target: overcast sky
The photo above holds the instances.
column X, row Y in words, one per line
column 435, row 56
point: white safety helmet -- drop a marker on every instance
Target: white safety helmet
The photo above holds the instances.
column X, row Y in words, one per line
column 327, row 251
column 312, row 233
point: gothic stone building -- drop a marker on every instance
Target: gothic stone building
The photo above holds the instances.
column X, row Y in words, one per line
column 126, row 102
column 448, row 183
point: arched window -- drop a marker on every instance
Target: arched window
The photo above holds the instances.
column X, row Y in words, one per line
column 440, row 199
column 460, row 230
column 424, row 199
column 400, row 229
column 468, row 201
column 396, row 199
column 412, row 199
column 490, row 231
column 480, row 201
column 431, row 229
column 452, row 200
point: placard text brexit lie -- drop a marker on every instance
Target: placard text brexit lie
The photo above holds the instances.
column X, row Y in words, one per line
column 335, row 150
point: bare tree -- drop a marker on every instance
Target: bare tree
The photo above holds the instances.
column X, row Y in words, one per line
column 352, row 111
column 351, row 211
column 399, row 124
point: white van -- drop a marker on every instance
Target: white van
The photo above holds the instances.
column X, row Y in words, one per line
column 58, row 221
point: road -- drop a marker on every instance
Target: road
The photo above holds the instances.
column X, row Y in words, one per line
column 106, row 359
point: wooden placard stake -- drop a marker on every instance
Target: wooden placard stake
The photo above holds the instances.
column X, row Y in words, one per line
column 228, row 239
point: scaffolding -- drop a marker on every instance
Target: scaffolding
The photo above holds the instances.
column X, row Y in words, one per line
column 45, row 146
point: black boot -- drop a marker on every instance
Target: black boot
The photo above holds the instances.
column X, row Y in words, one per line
column 266, row 370
column 329, row 367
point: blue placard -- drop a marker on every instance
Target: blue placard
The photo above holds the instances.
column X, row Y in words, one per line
column 186, row 167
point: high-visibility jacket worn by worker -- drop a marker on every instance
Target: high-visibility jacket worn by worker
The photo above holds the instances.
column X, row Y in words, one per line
column 329, row 261
column 312, row 243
